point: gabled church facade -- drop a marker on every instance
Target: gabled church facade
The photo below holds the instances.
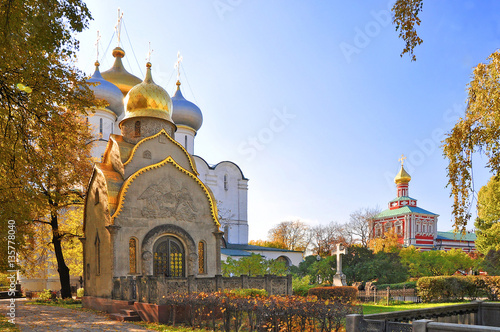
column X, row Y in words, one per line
column 146, row 210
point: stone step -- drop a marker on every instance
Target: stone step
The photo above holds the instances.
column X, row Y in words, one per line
column 125, row 318
column 128, row 312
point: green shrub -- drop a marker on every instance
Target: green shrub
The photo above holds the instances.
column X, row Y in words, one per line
column 80, row 292
column 346, row 294
column 301, row 286
column 46, row 295
column 451, row 288
column 493, row 287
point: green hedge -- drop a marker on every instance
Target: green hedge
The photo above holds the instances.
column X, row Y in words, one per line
column 345, row 294
column 439, row 289
column 401, row 285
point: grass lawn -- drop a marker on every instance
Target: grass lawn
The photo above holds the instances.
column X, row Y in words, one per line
column 6, row 326
column 369, row 309
column 59, row 303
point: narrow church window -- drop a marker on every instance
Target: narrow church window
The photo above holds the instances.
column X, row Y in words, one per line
column 96, row 197
column 138, row 128
column 88, row 271
column 225, row 182
column 97, row 246
column 100, row 126
column 168, row 258
column 132, row 252
column 185, row 142
column 201, row 257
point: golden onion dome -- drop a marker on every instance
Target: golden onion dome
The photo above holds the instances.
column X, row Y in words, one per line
column 118, row 75
column 148, row 99
column 402, row 176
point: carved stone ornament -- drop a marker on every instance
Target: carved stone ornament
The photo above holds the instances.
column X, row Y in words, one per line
column 147, row 256
column 168, row 198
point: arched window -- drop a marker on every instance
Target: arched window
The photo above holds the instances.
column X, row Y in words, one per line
column 138, row 128
column 168, row 259
column 132, row 255
column 100, row 126
column 96, row 197
column 185, row 142
column 225, row 182
column 201, row 258
column 97, row 247
column 285, row 260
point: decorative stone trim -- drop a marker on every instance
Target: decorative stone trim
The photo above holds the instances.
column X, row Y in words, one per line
column 169, row 159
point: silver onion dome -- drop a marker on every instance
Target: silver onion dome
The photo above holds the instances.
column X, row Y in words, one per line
column 185, row 113
column 107, row 91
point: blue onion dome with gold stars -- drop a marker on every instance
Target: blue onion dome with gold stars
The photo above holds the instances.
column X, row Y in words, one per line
column 185, row 113
column 118, row 75
column 106, row 91
column 148, row 99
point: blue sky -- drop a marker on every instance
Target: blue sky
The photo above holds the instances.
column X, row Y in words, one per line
column 312, row 99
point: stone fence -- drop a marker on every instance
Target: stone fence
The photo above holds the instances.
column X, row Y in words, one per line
column 151, row 289
column 471, row 317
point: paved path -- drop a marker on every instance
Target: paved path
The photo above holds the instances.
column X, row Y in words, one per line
column 38, row 318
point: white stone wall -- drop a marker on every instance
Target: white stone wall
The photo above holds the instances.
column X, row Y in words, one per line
column 230, row 189
column 108, row 120
column 185, row 136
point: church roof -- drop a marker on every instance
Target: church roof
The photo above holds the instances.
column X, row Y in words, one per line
column 403, row 198
column 255, row 248
column 456, row 236
column 234, row 252
column 403, row 210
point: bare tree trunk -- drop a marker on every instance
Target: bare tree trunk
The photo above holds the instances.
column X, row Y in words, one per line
column 62, row 268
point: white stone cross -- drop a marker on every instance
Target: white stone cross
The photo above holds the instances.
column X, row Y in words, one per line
column 339, row 252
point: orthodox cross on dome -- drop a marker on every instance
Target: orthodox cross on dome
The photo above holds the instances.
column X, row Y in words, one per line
column 150, row 51
column 402, row 159
column 339, row 252
column 178, row 65
column 97, row 44
column 118, row 26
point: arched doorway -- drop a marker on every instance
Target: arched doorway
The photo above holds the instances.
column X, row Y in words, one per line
column 169, row 257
